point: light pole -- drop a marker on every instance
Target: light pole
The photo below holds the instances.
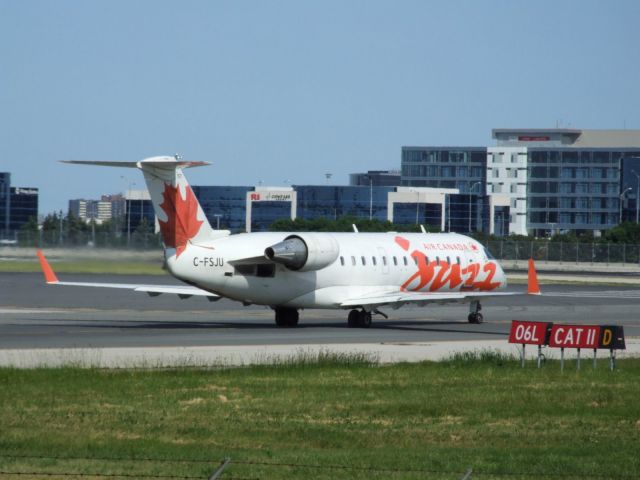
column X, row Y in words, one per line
column 127, row 211
column 217, row 215
column 60, row 233
column 621, row 197
column 470, row 193
column 637, row 193
column 370, row 197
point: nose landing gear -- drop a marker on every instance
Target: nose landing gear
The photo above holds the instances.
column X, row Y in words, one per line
column 474, row 312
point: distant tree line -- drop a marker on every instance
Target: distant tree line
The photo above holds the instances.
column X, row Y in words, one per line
column 69, row 230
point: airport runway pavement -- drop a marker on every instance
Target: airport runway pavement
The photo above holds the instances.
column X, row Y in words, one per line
column 36, row 316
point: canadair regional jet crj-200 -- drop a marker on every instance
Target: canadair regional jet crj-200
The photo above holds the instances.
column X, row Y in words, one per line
column 360, row 272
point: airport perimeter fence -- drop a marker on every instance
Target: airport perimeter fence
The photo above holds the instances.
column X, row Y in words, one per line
column 42, row 239
column 164, row 468
column 565, row 252
column 506, row 249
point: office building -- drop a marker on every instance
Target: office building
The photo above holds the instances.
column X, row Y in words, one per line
column 462, row 168
column 91, row 210
column 316, row 201
column 24, row 206
column 138, row 209
column 225, row 206
column 556, row 180
column 561, row 180
column 5, row 202
column 18, row 205
column 256, row 208
column 376, row 178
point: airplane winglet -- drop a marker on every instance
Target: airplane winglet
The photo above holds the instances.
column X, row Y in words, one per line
column 533, row 287
column 49, row 274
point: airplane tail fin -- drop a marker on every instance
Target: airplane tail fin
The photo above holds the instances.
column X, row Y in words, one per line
column 179, row 213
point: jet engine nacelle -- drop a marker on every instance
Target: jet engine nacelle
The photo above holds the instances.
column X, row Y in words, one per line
column 305, row 252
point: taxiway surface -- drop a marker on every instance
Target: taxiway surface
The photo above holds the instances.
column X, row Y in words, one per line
column 35, row 316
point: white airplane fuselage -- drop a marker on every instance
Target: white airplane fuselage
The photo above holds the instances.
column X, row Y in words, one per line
column 365, row 264
column 295, row 270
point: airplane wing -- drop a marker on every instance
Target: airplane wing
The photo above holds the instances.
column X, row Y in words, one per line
column 183, row 291
column 398, row 298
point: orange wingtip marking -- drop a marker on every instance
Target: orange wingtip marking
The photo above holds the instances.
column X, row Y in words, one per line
column 533, row 287
column 49, row 275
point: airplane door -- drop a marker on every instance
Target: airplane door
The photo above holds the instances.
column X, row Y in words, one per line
column 384, row 260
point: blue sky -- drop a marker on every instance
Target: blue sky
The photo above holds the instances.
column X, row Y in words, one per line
column 288, row 90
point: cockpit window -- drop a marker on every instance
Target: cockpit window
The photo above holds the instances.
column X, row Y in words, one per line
column 489, row 254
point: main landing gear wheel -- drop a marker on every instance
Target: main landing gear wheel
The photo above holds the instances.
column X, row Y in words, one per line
column 359, row 318
column 474, row 312
column 286, row 317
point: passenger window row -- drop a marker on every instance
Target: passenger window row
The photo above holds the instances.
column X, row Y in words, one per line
column 394, row 259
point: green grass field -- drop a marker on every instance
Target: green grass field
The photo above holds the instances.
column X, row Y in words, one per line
column 332, row 419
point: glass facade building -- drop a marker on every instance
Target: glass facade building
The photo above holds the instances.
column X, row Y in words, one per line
column 578, row 189
column 138, row 211
column 17, row 206
column 376, row 178
column 554, row 180
column 24, row 206
column 461, row 212
column 630, row 172
column 315, row 201
column 445, row 167
column 418, row 213
column 263, row 214
column 228, row 202
column 5, row 202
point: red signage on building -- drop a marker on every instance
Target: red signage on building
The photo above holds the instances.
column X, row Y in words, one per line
column 530, row 333
column 574, row 336
column 533, row 139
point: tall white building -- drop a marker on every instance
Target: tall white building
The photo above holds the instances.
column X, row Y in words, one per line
column 507, row 175
column 563, row 179
column 88, row 210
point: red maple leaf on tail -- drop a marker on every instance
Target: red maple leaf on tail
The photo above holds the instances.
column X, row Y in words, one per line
column 182, row 222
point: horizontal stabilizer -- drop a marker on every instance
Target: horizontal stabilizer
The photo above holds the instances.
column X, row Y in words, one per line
column 153, row 162
column 100, row 163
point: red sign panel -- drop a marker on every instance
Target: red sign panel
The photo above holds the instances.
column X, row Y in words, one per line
column 530, row 333
column 574, row 336
column 533, row 139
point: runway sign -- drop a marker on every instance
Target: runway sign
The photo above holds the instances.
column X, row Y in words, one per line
column 574, row 336
column 529, row 333
column 594, row 337
column 567, row 336
column 612, row 337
